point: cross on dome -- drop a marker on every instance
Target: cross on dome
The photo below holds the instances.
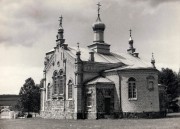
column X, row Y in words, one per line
column 98, row 8
column 98, row 18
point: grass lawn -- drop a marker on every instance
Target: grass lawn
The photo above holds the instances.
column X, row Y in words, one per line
column 171, row 122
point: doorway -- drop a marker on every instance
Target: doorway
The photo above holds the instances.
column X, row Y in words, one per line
column 107, row 104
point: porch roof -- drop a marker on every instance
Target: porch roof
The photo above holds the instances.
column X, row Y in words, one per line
column 100, row 80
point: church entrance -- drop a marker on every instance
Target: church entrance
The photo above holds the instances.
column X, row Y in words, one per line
column 105, row 101
column 107, row 104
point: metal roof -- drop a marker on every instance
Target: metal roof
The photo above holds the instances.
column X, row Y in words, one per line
column 129, row 60
column 100, row 80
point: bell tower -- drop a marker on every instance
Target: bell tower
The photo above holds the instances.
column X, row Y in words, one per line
column 60, row 36
column 78, row 87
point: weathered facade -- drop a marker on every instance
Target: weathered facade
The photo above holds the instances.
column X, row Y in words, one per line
column 94, row 83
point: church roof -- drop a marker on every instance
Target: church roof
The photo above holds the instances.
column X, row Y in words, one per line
column 100, row 80
column 132, row 67
column 129, row 60
column 50, row 51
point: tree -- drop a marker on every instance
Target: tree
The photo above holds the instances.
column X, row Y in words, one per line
column 41, row 85
column 170, row 79
column 29, row 100
column 178, row 76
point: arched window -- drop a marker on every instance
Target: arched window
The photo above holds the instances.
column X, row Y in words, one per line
column 132, row 90
column 70, row 84
column 61, row 82
column 55, row 82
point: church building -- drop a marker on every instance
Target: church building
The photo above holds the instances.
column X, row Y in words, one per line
column 95, row 83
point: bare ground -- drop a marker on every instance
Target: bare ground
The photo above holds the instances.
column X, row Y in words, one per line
column 171, row 122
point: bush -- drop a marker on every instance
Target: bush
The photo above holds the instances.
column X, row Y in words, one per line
column 29, row 116
column 21, row 114
column 174, row 107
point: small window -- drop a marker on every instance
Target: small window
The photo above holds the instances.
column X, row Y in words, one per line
column 150, row 83
column 132, row 90
column 89, row 100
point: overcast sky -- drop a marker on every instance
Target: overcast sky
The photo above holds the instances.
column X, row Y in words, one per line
column 29, row 28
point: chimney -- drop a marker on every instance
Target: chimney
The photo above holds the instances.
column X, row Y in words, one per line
column 91, row 58
column 65, row 46
column 135, row 54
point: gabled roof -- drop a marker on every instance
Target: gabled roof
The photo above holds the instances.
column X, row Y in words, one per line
column 129, row 60
column 100, row 80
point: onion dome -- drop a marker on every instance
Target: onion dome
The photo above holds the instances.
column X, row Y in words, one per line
column 98, row 25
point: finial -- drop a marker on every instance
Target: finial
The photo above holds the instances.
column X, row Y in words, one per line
column 130, row 39
column 78, row 46
column 130, row 32
column 152, row 55
column 60, row 24
column 153, row 60
column 98, row 11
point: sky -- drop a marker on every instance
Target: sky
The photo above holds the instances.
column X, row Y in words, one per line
column 29, row 28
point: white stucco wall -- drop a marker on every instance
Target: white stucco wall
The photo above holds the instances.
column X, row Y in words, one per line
column 147, row 101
